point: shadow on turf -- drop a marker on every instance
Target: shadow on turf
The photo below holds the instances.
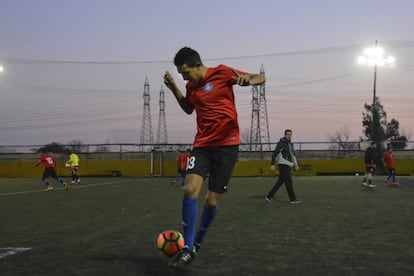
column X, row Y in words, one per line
column 146, row 265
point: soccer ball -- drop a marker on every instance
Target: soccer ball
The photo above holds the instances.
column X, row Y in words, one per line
column 170, row 242
column 67, row 164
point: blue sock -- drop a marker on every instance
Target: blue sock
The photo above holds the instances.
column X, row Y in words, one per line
column 207, row 218
column 60, row 180
column 183, row 182
column 369, row 181
column 46, row 182
column 365, row 179
column 393, row 177
column 189, row 213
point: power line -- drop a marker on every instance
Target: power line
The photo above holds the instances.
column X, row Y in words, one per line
column 294, row 84
column 323, row 50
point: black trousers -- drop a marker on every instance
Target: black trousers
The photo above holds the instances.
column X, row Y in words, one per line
column 285, row 176
column 75, row 173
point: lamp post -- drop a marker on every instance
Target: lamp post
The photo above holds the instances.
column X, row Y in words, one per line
column 375, row 57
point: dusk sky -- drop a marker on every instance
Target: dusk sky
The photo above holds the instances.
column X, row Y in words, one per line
column 75, row 69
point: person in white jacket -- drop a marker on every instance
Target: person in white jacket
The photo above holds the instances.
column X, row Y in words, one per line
column 286, row 159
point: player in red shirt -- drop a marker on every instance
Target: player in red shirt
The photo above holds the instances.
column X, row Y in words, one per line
column 209, row 92
column 182, row 159
column 50, row 164
column 388, row 159
column 185, row 157
column 179, row 169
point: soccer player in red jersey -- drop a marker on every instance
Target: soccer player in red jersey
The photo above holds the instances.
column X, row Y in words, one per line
column 182, row 160
column 209, row 92
column 50, row 164
column 388, row 159
column 184, row 163
column 180, row 172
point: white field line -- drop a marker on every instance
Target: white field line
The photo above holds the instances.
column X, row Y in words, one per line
column 70, row 187
column 12, row 251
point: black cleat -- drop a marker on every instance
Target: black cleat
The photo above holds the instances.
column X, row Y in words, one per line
column 196, row 247
column 184, row 257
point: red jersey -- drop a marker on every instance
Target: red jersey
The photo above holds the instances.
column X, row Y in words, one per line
column 47, row 160
column 388, row 159
column 213, row 101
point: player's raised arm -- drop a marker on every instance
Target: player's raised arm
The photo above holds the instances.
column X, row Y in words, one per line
column 248, row 79
column 170, row 83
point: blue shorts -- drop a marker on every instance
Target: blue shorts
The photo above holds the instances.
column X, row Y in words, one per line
column 215, row 162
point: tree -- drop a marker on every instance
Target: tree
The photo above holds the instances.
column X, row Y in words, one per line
column 54, row 148
column 374, row 120
column 340, row 140
column 76, row 146
column 378, row 129
column 102, row 148
column 396, row 140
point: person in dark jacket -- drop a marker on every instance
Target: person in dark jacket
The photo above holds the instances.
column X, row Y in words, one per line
column 369, row 165
column 286, row 159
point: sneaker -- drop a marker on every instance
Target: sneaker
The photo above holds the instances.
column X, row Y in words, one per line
column 78, row 181
column 296, row 201
column 387, row 181
column 184, row 257
column 372, row 185
column 49, row 188
column 66, row 186
column 72, row 182
column 364, row 184
column 268, row 200
column 196, row 247
column 395, row 183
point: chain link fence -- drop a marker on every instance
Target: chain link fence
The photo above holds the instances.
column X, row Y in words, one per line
column 303, row 149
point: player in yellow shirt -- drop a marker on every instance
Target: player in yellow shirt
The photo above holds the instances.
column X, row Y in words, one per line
column 73, row 164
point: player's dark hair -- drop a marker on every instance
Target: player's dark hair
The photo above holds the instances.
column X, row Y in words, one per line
column 287, row 130
column 187, row 56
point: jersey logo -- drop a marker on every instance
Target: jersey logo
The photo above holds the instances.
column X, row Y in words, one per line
column 208, row 87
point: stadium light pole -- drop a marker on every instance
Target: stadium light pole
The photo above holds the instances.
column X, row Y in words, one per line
column 374, row 57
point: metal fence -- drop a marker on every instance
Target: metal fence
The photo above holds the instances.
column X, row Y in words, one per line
column 336, row 147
